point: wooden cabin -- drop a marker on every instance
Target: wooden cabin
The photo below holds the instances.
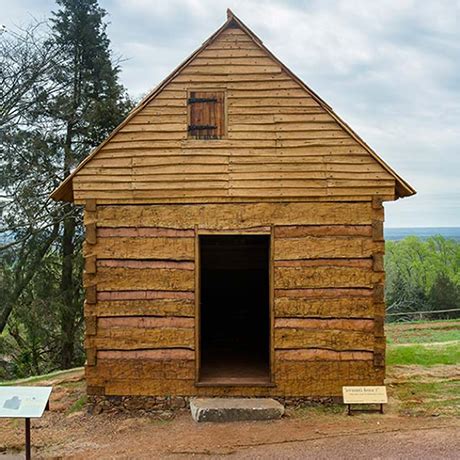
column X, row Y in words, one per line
column 234, row 236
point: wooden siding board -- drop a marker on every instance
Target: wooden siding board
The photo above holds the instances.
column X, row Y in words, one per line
column 217, row 216
column 266, row 109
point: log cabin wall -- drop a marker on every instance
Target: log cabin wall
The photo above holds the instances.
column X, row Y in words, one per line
column 327, row 296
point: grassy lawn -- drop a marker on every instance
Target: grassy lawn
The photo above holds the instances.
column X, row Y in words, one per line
column 423, row 332
column 425, row 347
column 423, row 355
column 423, row 344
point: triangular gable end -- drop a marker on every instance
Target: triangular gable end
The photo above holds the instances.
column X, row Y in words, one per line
column 65, row 190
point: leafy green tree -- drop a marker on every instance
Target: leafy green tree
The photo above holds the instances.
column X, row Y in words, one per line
column 422, row 275
column 76, row 102
column 444, row 295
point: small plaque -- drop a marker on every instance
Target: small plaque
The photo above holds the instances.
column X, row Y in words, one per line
column 24, row 402
column 365, row 395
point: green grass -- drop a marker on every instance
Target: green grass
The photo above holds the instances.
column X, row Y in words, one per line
column 78, row 405
column 423, row 355
column 434, row 398
column 40, row 378
column 422, row 335
column 315, row 410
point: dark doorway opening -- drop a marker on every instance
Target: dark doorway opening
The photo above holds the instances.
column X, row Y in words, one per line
column 234, row 309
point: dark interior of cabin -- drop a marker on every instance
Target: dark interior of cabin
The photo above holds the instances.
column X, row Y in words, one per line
column 234, row 313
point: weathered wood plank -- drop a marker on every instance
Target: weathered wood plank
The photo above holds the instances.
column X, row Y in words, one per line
column 339, row 307
column 180, row 248
column 343, row 324
column 214, row 216
column 324, row 247
column 156, row 307
column 324, row 277
column 133, row 338
column 105, row 325
column 299, row 231
column 288, row 338
column 119, row 279
column 323, row 355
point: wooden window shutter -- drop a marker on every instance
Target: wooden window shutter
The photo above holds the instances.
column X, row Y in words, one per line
column 206, row 115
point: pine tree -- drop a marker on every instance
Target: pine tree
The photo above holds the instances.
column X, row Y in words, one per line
column 90, row 105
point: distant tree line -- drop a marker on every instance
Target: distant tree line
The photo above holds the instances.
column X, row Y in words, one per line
column 422, row 275
column 59, row 97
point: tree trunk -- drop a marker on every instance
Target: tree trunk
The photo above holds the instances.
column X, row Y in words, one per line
column 68, row 289
column 68, row 248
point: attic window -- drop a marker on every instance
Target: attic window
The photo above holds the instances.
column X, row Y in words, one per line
column 206, row 118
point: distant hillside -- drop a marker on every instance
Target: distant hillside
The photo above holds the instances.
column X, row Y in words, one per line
column 422, row 232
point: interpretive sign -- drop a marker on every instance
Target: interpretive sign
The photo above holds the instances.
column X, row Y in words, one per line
column 24, row 402
column 364, row 395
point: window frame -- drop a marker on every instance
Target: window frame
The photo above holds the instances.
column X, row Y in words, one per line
column 224, row 108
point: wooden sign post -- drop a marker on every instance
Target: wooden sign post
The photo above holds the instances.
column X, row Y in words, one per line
column 365, row 395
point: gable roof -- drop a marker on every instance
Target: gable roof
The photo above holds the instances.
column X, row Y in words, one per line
column 64, row 191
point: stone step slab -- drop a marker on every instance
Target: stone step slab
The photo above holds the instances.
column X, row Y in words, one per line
column 235, row 409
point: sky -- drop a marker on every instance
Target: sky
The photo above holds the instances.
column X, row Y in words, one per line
column 389, row 68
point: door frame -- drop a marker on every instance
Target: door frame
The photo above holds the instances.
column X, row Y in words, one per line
column 198, row 233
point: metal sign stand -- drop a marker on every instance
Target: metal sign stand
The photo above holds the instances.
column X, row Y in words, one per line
column 28, row 439
column 350, row 410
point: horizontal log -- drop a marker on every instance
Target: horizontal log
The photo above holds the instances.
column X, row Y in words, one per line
column 331, row 339
column 173, row 354
column 145, row 248
column 143, row 295
column 318, row 324
column 215, row 216
column 157, row 307
column 324, row 247
column 322, row 294
column 323, row 355
column 144, row 232
column 111, row 200
column 299, row 231
column 289, row 371
column 341, row 307
column 128, row 263
column 324, row 277
column 141, row 368
column 362, row 263
column 146, row 322
column 150, row 387
column 133, row 338
column 120, row 279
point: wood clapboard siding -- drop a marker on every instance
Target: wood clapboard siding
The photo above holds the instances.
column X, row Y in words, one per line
column 280, row 143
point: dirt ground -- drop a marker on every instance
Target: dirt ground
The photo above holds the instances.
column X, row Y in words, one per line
column 67, row 431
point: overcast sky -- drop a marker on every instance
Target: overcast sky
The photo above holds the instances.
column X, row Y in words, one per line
column 389, row 68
